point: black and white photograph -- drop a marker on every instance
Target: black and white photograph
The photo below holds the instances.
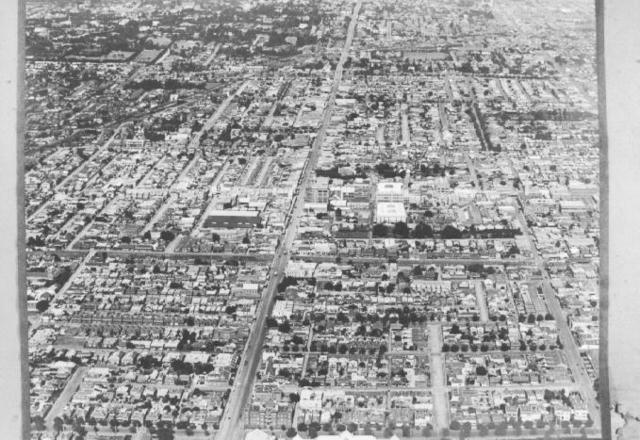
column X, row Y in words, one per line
column 317, row 219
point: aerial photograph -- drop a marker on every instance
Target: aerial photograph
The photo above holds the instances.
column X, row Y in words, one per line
column 312, row 219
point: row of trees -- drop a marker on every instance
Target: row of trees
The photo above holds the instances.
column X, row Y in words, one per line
column 422, row 230
column 164, row 430
column 168, row 84
column 283, row 327
column 404, row 315
column 314, row 428
column 401, row 230
column 464, row 429
column 449, row 232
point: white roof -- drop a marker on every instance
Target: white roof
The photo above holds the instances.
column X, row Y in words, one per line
column 390, row 208
column 257, row 434
column 389, row 187
column 233, row 212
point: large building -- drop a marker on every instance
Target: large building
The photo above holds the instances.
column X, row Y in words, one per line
column 231, row 219
column 390, row 192
column 390, row 212
column 268, row 413
column 318, row 190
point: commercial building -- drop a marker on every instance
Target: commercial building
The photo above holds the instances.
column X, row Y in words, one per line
column 227, row 218
column 390, row 212
column 390, row 192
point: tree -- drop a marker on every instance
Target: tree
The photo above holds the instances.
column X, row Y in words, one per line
column 417, row 271
column 401, row 229
column 481, row 371
column 451, row 232
column 165, row 430
column 167, row 236
column 291, row 432
column 42, row 305
column 215, row 237
column 57, row 424
column 38, row 421
column 501, row 430
column 284, row 327
column 422, row 230
column 286, row 282
column 302, row 427
column 455, row 425
column 518, row 429
column 380, row 230
column 388, row 432
column 352, row 428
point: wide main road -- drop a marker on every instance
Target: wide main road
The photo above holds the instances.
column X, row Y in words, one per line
column 570, row 348
column 438, row 379
column 230, row 427
column 564, row 332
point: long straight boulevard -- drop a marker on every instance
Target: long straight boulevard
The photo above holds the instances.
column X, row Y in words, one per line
column 231, row 426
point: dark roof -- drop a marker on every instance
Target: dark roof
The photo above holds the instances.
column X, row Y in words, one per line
column 232, row 221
